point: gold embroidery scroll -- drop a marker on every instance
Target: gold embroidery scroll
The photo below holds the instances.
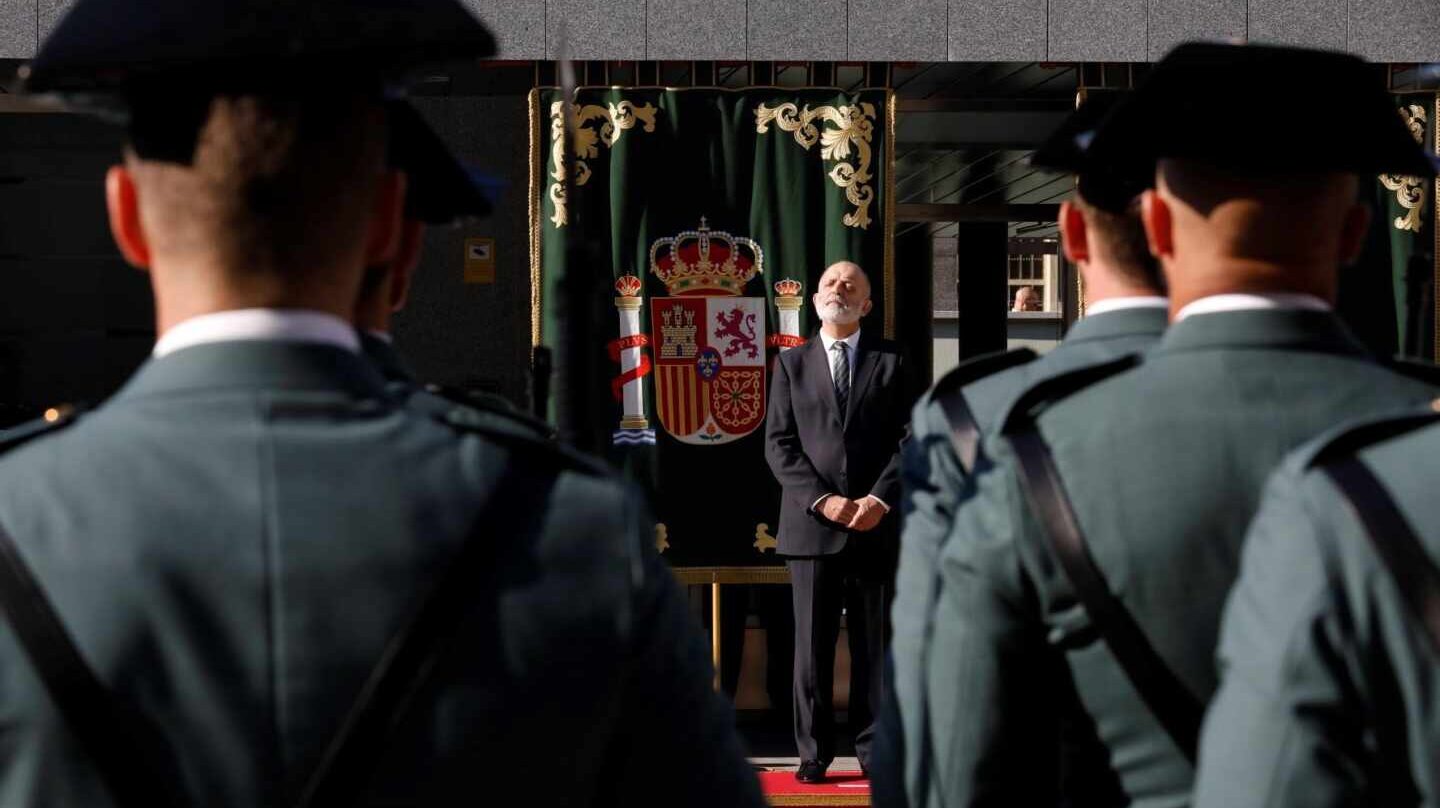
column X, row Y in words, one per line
column 617, row 119
column 848, row 128
column 1410, row 192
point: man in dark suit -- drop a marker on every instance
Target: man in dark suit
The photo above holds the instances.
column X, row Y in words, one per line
column 833, row 434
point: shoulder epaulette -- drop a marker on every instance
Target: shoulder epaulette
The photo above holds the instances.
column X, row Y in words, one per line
column 1427, row 372
column 493, row 404
column 510, row 433
column 977, row 368
column 1352, row 438
column 1029, row 404
column 53, row 419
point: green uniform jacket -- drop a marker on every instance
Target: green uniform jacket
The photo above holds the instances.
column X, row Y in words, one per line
column 1330, row 683
column 934, row 484
column 489, row 408
column 1163, row 465
column 233, row 538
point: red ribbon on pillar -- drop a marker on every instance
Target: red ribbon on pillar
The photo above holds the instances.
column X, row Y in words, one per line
column 785, row 341
column 641, row 370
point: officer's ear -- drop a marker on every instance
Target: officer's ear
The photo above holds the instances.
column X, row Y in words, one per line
column 407, row 260
column 1159, row 223
column 386, row 216
column 1074, row 235
column 1352, row 233
column 122, row 201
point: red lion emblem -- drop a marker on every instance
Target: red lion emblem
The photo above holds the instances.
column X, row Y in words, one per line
column 740, row 328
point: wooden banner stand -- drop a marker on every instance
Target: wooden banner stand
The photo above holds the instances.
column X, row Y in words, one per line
column 717, row 577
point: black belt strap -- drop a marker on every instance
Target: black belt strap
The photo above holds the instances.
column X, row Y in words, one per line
column 417, row 649
column 964, row 431
column 106, row 731
column 1173, row 705
column 1412, row 569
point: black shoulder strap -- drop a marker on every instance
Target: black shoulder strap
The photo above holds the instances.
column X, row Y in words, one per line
column 949, row 394
column 417, row 649
column 1177, row 710
column 1389, row 532
column 92, row 712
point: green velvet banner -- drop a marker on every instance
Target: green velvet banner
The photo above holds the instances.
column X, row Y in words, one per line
column 1387, row 297
column 1409, row 218
column 705, row 218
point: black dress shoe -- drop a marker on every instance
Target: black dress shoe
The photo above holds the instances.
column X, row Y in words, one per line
column 811, row 771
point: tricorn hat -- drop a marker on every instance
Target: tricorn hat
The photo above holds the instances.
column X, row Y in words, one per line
column 1215, row 103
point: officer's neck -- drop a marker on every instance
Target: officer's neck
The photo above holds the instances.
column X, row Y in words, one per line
column 1247, row 276
column 374, row 313
column 179, row 298
column 1104, row 283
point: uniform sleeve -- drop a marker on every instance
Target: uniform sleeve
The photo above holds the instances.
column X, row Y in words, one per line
column 1281, row 730
column 991, row 677
column 677, row 739
column 927, row 467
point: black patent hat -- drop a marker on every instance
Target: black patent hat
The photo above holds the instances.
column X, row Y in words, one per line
column 439, row 190
column 1218, row 104
column 105, row 48
column 1105, row 185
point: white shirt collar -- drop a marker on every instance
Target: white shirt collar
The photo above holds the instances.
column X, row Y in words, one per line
column 853, row 341
column 1122, row 303
column 384, row 336
column 1251, row 302
column 276, row 325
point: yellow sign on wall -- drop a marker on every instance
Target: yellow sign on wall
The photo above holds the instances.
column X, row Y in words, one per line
column 479, row 260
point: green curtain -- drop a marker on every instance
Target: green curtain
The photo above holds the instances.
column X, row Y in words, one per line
column 785, row 182
column 1387, row 296
column 1409, row 218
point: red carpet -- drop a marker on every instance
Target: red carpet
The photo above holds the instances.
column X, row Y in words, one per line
column 839, row 788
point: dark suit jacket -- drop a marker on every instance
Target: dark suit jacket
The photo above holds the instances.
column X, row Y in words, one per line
column 813, row 449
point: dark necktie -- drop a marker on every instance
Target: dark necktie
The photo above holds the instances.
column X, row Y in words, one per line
column 841, row 365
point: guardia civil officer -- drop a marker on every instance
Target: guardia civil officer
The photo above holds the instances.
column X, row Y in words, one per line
column 1331, row 635
column 439, row 192
column 1101, row 232
column 267, row 568
column 1082, row 586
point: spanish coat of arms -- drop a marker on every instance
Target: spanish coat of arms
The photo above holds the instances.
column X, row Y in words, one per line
column 708, row 341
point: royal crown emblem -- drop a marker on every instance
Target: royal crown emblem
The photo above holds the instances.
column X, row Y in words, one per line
column 788, row 288
column 706, row 262
column 629, row 286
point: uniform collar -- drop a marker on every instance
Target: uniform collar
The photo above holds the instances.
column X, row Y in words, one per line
column 1273, row 328
column 253, row 325
column 378, row 347
column 258, row 365
column 1251, row 302
column 1110, row 304
column 1121, row 322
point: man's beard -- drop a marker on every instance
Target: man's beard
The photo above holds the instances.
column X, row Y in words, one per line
column 838, row 314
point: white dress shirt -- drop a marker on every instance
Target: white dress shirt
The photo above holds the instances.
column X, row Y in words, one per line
column 273, row 325
column 1251, row 302
column 852, row 344
column 1122, row 303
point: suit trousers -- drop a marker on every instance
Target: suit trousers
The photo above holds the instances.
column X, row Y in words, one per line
column 821, row 587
